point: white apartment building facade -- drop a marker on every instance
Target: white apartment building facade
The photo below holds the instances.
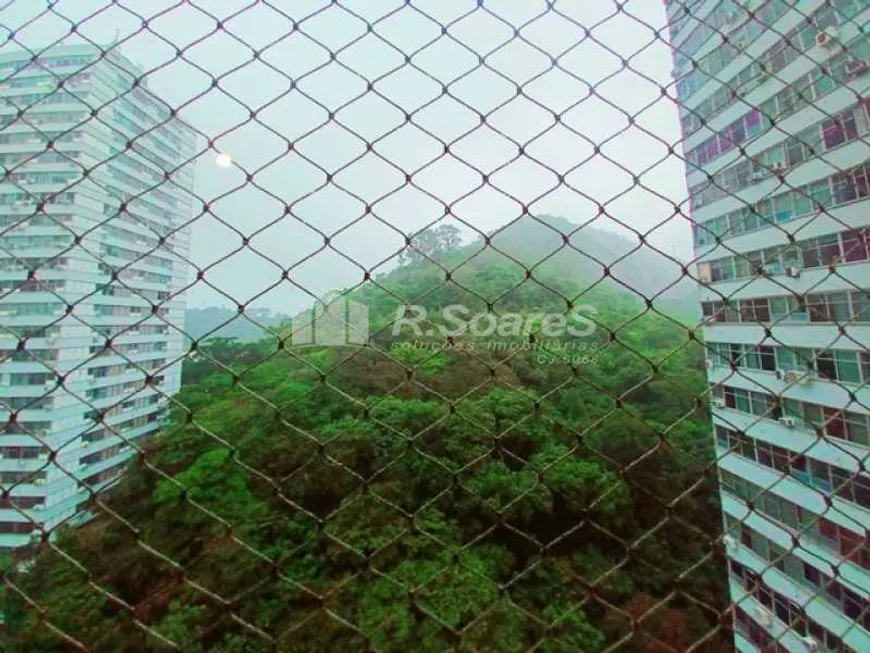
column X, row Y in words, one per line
column 775, row 112
column 93, row 248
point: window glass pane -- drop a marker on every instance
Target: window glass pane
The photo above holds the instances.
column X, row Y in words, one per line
column 744, row 268
column 844, row 188
column 855, row 245
column 742, row 399
column 832, row 134
column 783, row 209
column 751, row 359
column 778, row 307
column 857, row 428
column 722, row 437
column 794, row 152
column 759, row 404
column 829, row 249
column 810, row 251
column 825, row 365
column 813, row 414
column 785, row 359
column 838, row 304
column 817, row 306
column 792, row 408
column 820, row 192
column 825, row 84
column 847, row 366
column 768, row 357
column 764, row 453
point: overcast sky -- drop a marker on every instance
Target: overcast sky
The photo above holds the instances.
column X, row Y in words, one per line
column 331, row 56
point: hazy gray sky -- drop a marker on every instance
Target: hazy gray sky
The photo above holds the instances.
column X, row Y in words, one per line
column 304, row 32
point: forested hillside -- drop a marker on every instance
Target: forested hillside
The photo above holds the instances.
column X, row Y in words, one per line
column 219, row 322
column 444, row 496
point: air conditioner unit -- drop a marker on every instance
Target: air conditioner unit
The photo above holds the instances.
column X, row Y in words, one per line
column 827, row 37
column 731, row 542
column 795, row 376
column 811, row 643
column 39, row 481
column 793, row 271
column 764, row 616
column 38, row 506
column 788, row 421
column 758, row 175
column 719, row 402
column 779, row 166
column 710, row 364
column 856, row 67
column 780, row 375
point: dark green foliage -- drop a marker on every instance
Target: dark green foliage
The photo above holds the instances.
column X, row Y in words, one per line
column 405, row 499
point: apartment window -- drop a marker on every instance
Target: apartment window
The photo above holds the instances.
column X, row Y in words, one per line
column 856, row 245
column 714, row 311
column 812, row 575
column 754, row 310
column 758, row 402
column 833, row 307
column 741, row 400
column 793, row 359
column 746, row 446
column 839, row 130
column 722, row 270
column 857, row 428
column 722, row 436
column 767, row 357
column 860, row 306
column 789, row 308
column 839, row 365
column 764, row 453
column 795, row 152
column 822, row 251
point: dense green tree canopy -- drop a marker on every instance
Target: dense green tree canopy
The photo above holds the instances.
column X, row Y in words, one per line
column 409, row 495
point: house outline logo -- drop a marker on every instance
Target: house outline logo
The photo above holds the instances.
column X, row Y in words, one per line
column 333, row 321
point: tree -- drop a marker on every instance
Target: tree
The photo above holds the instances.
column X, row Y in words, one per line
column 430, row 244
column 397, row 499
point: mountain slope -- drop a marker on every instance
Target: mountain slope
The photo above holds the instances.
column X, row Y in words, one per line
column 631, row 266
column 219, row 322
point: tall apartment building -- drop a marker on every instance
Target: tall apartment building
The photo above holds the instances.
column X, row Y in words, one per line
column 92, row 248
column 776, row 125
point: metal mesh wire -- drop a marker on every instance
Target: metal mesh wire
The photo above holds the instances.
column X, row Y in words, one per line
column 389, row 484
